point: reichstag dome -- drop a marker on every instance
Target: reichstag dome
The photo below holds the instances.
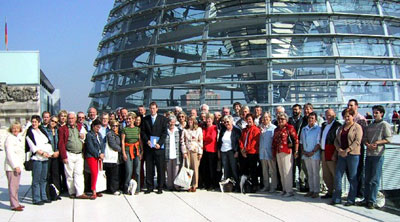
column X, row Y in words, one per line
column 268, row 52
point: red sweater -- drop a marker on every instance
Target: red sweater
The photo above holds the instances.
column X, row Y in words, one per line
column 210, row 139
column 253, row 139
column 63, row 133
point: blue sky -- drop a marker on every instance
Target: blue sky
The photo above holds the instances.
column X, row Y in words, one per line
column 66, row 33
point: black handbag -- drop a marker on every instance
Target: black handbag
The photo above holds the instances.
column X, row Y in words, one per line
column 28, row 164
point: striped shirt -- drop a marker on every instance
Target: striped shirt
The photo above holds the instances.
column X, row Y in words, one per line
column 131, row 134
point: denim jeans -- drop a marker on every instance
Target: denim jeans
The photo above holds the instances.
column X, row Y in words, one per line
column 230, row 165
column 350, row 162
column 373, row 173
column 130, row 165
column 39, row 181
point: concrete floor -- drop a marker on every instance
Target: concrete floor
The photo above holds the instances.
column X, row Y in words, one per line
column 182, row 206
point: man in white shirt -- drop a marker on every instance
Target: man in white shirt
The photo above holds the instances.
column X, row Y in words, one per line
column 327, row 147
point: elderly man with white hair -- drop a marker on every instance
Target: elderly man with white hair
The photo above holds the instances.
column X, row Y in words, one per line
column 70, row 146
column 177, row 110
column 204, row 108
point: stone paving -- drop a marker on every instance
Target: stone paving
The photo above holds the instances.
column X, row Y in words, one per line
column 182, row 206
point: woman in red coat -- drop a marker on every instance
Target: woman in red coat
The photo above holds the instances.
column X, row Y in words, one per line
column 210, row 155
column 249, row 143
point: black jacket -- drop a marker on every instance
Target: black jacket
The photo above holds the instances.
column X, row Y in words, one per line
column 159, row 129
column 330, row 137
column 235, row 136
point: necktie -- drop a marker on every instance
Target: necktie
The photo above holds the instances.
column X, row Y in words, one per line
column 153, row 120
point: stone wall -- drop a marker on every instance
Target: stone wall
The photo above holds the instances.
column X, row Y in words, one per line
column 18, row 103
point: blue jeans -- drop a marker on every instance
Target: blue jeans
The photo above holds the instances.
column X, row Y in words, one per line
column 230, row 165
column 39, row 181
column 350, row 162
column 129, row 166
column 373, row 173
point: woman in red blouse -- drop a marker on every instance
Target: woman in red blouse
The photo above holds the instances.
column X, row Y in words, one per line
column 285, row 138
column 210, row 155
column 249, row 146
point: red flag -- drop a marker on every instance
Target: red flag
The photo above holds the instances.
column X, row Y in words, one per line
column 6, row 36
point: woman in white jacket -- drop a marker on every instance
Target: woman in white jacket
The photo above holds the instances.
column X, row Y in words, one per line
column 15, row 156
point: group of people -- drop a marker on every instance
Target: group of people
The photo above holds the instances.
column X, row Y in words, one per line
column 242, row 146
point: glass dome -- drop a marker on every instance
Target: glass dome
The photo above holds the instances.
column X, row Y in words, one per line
column 267, row 52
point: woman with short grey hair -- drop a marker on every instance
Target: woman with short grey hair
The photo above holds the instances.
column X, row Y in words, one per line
column 173, row 154
column 228, row 147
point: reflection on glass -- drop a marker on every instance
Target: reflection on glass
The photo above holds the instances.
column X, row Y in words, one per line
column 356, row 26
column 362, row 47
column 367, row 91
column 279, row 6
column 394, row 28
column 363, row 71
column 290, row 47
column 391, row 8
column 354, row 6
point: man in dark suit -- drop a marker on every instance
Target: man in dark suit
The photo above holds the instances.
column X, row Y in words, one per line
column 154, row 133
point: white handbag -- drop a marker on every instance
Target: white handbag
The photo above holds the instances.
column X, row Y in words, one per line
column 101, row 184
column 110, row 156
column 185, row 176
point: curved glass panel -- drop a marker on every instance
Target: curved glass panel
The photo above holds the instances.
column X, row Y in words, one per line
column 362, row 71
column 391, row 8
column 394, row 28
column 362, row 47
column 357, row 26
column 354, row 6
column 278, row 6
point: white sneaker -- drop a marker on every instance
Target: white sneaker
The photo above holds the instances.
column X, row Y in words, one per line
column 288, row 195
column 117, row 193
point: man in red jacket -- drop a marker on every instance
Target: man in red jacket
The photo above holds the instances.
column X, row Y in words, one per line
column 70, row 146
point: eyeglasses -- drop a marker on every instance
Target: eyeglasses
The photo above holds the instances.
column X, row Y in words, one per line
column 114, row 126
column 54, row 121
column 181, row 116
column 81, row 117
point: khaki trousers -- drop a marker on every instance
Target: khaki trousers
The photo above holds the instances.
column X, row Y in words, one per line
column 194, row 163
column 269, row 170
column 328, row 173
column 13, row 186
column 285, row 165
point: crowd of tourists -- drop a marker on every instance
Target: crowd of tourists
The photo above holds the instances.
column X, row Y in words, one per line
column 270, row 153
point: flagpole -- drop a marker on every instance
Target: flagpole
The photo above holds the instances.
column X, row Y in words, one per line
column 6, row 35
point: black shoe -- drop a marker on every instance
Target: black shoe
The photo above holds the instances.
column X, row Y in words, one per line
column 326, row 196
column 38, row 203
column 347, row 204
column 304, row 189
column 332, row 203
column 159, row 191
column 148, row 191
column 46, row 201
column 370, row 205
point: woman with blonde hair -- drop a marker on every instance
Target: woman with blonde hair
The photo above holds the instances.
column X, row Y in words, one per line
column 182, row 118
column 15, row 156
column 192, row 148
column 132, row 151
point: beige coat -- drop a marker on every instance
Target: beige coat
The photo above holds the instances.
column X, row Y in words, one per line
column 354, row 139
column 15, row 152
